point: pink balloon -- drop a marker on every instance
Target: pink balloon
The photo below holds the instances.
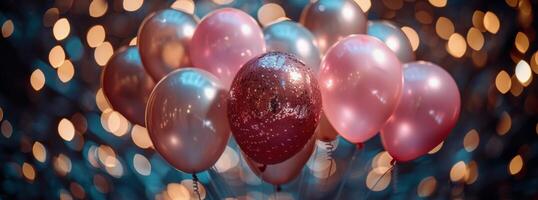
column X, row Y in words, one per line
column 225, row 40
column 428, row 110
column 361, row 82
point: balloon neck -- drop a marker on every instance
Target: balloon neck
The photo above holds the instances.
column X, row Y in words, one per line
column 393, row 162
column 194, row 177
column 262, row 168
column 278, row 188
column 359, row 145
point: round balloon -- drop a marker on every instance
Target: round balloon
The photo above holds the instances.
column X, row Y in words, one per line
column 290, row 37
column 427, row 112
column 394, row 38
column 224, row 40
column 361, row 83
column 186, row 119
column 332, row 20
column 163, row 41
column 126, row 85
column 274, row 107
column 286, row 171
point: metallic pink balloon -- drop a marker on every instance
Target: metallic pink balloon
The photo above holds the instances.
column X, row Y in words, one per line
column 126, row 85
column 427, row 112
column 186, row 119
column 163, row 41
column 332, row 20
column 361, row 83
column 225, row 40
column 283, row 172
column 394, row 38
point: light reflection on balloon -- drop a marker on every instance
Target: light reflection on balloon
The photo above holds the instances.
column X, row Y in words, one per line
column 290, row 37
column 332, row 20
column 394, row 38
column 163, row 41
column 223, row 41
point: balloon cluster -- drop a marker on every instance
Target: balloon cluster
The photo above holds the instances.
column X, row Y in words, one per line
column 333, row 74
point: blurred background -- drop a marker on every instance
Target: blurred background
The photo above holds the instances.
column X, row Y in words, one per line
column 61, row 140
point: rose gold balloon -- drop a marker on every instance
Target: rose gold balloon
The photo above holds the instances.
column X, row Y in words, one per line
column 187, row 120
column 361, row 83
column 394, row 38
column 325, row 131
column 225, row 40
column 286, row 171
column 126, row 85
column 163, row 41
column 332, row 20
column 428, row 111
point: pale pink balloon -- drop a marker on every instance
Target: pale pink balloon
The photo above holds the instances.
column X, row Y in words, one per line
column 223, row 41
column 361, row 83
column 427, row 112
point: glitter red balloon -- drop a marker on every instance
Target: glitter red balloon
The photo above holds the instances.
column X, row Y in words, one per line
column 274, row 107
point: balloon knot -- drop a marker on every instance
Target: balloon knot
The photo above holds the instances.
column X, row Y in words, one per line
column 278, row 188
column 393, row 162
column 359, row 145
column 262, row 168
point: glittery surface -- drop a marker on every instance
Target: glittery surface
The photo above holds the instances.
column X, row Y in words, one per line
column 274, row 107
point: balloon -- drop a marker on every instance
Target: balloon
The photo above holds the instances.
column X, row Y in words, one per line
column 126, row 85
column 331, row 20
column 326, row 131
column 186, row 119
column 427, row 112
column 163, row 41
column 286, row 171
column 224, row 41
column 274, row 107
column 394, row 38
column 290, row 37
column 361, row 83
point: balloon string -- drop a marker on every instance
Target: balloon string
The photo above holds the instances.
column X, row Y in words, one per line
column 330, row 150
column 393, row 164
column 359, row 146
column 395, row 179
column 227, row 188
column 195, row 186
column 313, row 167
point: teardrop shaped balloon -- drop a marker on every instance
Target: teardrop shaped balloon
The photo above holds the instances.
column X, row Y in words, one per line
column 428, row 110
column 225, row 40
column 186, row 119
column 394, row 38
column 332, row 20
column 126, row 85
column 163, row 41
column 274, row 107
column 290, row 37
column 286, row 171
